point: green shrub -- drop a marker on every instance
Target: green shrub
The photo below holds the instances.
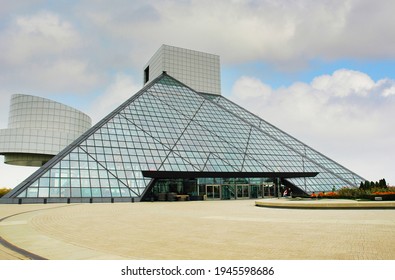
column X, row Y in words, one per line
column 352, row 193
column 387, row 193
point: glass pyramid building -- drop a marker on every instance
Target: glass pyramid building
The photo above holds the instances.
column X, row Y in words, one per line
column 169, row 141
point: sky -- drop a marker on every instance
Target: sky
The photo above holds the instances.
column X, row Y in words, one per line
column 323, row 71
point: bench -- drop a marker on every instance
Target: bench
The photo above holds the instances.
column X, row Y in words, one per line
column 182, row 197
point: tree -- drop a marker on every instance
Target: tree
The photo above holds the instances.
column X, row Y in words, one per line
column 3, row 191
column 382, row 183
column 367, row 185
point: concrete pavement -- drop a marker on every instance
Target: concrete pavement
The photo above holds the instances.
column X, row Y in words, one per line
column 195, row 230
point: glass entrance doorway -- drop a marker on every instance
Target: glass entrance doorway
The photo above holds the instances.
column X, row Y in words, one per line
column 269, row 190
column 256, row 191
column 237, row 191
column 228, row 192
column 213, row 191
column 211, row 188
column 243, row 191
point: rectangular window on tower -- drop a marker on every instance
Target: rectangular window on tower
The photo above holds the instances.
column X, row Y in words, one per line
column 146, row 75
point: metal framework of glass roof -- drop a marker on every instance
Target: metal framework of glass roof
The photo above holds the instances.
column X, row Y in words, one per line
column 168, row 127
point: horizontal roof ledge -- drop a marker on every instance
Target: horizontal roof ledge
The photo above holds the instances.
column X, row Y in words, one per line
column 213, row 174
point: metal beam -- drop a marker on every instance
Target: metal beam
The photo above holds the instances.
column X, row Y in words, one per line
column 209, row 174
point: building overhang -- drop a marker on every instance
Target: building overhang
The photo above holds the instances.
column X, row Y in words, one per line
column 213, row 174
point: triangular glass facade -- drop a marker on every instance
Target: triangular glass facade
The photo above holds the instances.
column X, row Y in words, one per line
column 169, row 127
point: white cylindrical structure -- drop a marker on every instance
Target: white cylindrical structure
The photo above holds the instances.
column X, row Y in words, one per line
column 38, row 129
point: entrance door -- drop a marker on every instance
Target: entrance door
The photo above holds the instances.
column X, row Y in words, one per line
column 268, row 190
column 228, row 192
column 243, row 191
column 213, row 191
column 255, row 191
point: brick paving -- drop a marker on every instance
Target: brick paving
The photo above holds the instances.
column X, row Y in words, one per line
column 197, row 230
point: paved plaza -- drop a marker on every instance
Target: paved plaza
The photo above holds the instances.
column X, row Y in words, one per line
column 196, row 230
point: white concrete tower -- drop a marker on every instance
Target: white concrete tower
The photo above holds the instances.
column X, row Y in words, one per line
column 198, row 70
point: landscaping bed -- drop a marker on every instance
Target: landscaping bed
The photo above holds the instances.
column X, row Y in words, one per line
column 373, row 193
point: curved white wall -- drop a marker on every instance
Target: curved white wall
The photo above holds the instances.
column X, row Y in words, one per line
column 38, row 129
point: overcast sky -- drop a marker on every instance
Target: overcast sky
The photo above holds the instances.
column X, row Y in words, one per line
column 323, row 71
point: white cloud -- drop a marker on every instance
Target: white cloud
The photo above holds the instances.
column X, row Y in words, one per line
column 252, row 88
column 331, row 115
column 286, row 34
column 42, row 53
column 121, row 89
column 344, row 83
column 386, row 87
column 61, row 75
column 97, row 37
column 118, row 35
column 41, row 34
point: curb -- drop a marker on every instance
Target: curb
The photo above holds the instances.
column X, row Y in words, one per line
column 326, row 204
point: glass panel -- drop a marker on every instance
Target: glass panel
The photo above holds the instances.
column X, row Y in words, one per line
column 96, row 192
column 64, row 192
column 43, row 182
column 115, row 192
column 106, row 192
column 86, row 192
column 75, row 183
column 75, row 192
column 54, row 192
column 32, row 192
column 43, row 192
